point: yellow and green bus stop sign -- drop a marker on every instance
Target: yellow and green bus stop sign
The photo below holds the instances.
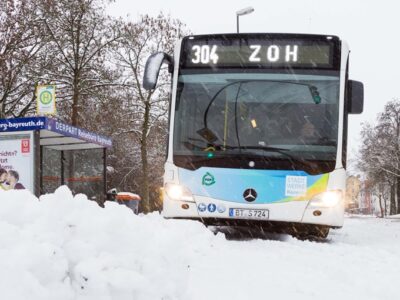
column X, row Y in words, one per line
column 46, row 99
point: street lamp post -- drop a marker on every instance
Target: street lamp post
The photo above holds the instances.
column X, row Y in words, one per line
column 242, row 12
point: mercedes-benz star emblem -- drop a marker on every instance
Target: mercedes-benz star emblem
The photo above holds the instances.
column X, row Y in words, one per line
column 250, row 195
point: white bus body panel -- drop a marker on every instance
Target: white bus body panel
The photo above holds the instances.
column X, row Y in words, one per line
column 294, row 211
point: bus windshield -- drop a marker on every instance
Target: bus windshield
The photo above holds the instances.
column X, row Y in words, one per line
column 273, row 120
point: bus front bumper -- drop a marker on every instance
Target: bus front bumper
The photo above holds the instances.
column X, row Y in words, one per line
column 217, row 212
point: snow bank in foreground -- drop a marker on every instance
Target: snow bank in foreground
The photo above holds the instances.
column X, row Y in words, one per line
column 65, row 247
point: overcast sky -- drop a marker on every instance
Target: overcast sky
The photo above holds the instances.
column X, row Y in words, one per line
column 371, row 28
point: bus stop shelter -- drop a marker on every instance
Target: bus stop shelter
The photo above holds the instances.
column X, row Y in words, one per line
column 47, row 153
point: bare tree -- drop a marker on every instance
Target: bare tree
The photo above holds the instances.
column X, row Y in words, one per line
column 389, row 129
column 80, row 33
column 20, row 42
column 147, row 109
column 380, row 152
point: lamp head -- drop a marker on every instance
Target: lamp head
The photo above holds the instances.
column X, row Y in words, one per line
column 245, row 11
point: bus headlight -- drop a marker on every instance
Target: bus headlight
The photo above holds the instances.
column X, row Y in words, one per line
column 326, row 199
column 177, row 192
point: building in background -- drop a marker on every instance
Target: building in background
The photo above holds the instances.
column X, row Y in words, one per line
column 366, row 206
column 352, row 199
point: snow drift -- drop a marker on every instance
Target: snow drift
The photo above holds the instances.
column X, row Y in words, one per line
column 65, row 247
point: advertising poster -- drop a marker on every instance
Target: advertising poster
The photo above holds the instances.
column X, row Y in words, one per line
column 17, row 158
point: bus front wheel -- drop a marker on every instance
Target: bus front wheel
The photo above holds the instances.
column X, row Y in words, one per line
column 311, row 232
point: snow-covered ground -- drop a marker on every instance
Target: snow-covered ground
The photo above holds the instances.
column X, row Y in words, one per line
column 66, row 247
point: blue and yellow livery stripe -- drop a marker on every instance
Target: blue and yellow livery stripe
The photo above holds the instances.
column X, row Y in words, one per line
column 229, row 184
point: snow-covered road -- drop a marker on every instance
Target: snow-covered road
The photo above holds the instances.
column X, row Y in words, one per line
column 360, row 261
column 68, row 248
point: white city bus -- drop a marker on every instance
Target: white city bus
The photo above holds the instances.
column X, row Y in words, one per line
column 258, row 130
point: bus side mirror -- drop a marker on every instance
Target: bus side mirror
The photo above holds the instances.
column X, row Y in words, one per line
column 152, row 69
column 355, row 94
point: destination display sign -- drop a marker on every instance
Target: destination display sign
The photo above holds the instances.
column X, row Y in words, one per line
column 258, row 51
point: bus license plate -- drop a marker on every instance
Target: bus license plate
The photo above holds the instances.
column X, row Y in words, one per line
column 246, row 213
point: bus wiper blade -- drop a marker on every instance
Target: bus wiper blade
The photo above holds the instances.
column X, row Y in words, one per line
column 220, row 148
column 282, row 151
column 267, row 148
column 264, row 148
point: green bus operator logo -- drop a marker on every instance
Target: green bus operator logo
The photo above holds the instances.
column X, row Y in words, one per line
column 45, row 97
column 208, row 179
